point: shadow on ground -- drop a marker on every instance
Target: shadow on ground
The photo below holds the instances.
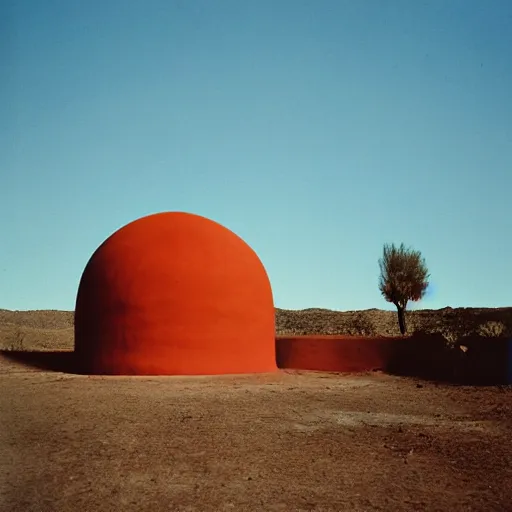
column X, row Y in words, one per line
column 56, row 361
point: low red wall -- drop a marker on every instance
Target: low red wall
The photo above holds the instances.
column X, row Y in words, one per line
column 486, row 360
column 335, row 353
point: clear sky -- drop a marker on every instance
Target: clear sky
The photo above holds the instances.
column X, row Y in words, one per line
column 316, row 130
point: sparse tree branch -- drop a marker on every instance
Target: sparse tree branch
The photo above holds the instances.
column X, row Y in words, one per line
column 403, row 277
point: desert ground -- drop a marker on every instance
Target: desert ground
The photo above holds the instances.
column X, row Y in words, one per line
column 289, row 441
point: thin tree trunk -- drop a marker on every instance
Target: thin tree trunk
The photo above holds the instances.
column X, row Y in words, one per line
column 401, row 320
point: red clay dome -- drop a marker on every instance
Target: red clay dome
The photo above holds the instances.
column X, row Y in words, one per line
column 174, row 293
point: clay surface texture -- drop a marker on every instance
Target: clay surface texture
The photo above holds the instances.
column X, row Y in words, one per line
column 174, row 293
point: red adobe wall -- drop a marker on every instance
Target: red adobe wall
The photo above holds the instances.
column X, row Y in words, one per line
column 174, row 293
column 486, row 360
column 335, row 353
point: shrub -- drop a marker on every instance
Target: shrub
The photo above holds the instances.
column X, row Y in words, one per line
column 492, row 329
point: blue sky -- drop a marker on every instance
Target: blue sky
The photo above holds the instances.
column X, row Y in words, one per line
column 316, row 130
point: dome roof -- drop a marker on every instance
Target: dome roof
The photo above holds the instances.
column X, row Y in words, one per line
column 174, row 293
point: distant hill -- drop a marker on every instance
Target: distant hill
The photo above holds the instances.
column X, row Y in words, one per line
column 49, row 329
column 449, row 321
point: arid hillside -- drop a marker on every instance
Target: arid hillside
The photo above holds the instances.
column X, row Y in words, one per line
column 452, row 323
column 51, row 330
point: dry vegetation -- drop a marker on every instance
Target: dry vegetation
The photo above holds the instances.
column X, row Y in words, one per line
column 52, row 330
column 452, row 323
column 36, row 330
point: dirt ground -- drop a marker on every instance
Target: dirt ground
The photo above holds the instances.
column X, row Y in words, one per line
column 290, row 441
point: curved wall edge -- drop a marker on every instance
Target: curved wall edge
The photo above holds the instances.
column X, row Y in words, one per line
column 174, row 293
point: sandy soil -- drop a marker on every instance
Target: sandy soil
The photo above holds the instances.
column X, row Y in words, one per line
column 291, row 441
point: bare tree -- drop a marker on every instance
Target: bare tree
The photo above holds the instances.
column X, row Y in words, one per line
column 403, row 277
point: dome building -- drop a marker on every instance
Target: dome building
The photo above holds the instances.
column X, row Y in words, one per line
column 174, row 294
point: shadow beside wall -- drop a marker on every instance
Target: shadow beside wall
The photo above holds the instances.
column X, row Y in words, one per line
column 474, row 360
column 54, row 361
